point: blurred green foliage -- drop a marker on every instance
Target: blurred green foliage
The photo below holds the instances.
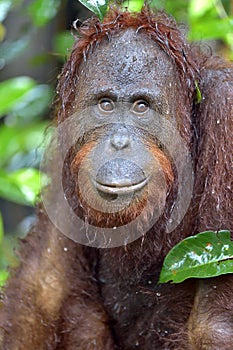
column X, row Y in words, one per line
column 42, row 11
column 24, row 102
column 206, row 19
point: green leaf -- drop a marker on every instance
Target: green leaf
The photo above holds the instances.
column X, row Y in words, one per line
column 21, row 186
column 211, row 29
column 12, row 90
column 42, row 11
column 7, row 252
column 207, row 254
column 198, row 93
column 33, row 104
column 98, row 7
column 63, row 42
column 3, row 277
column 133, row 5
column 19, row 140
column 198, row 8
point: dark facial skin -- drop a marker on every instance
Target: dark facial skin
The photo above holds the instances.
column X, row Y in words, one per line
column 130, row 104
column 128, row 73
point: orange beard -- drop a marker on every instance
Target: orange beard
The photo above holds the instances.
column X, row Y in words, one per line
column 110, row 211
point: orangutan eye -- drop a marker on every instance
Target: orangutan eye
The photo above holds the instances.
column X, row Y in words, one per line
column 106, row 105
column 140, row 107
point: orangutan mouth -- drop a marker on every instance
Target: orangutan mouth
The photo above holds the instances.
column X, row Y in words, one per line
column 121, row 189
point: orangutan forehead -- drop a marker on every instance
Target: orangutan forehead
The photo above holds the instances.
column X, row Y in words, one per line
column 128, row 57
column 130, row 51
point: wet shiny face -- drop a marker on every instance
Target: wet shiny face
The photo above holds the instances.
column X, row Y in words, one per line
column 126, row 94
column 132, row 69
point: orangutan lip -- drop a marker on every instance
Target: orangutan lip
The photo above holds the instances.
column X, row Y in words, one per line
column 116, row 189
